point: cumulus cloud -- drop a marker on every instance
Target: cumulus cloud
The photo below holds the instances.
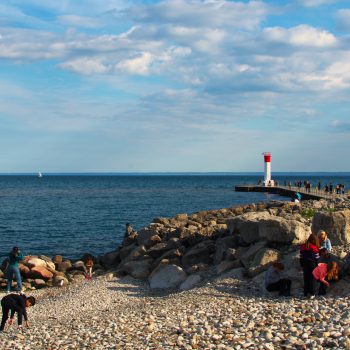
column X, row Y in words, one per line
column 86, row 66
column 302, row 35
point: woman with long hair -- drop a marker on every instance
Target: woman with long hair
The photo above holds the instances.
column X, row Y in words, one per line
column 324, row 273
column 324, row 240
column 309, row 255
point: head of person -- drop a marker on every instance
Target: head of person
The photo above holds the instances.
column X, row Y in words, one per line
column 332, row 271
column 313, row 239
column 30, row 301
column 322, row 235
column 324, row 252
column 278, row 266
column 15, row 250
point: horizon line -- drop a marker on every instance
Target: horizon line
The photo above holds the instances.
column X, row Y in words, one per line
column 173, row 173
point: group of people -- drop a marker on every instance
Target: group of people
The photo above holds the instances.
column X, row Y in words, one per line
column 17, row 303
column 307, row 185
column 316, row 263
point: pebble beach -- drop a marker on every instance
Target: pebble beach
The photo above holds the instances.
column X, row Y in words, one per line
column 222, row 313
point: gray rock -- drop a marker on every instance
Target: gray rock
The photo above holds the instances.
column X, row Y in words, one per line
column 200, row 253
column 336, row 224
column 280, row 230
column 138, row 269
column 144, row 235
column 168, row 276
column 248, row 256
column 247, row 225
column 190, row 282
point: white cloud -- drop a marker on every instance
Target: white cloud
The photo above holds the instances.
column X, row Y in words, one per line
column 302, row 35
column 86, row 66
column 315, row 3
column 138, row 65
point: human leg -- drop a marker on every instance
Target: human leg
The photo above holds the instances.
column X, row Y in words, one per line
column 286, row 285
column 9, row 278
column 5, row 314
column 322, row 289
column 18, row 278
column 274, row 287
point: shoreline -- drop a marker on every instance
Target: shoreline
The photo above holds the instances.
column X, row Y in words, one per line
column 225, row 306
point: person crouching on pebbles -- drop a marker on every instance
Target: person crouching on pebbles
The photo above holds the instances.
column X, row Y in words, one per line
column 15, row 303
column 274, row 282
column 324, row 273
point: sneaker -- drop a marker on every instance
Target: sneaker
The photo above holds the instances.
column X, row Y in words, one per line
column 8, row 292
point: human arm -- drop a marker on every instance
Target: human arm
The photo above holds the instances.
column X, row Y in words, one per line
column 19, row 256
column 328, row 245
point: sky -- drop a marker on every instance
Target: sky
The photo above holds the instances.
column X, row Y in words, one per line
column 174, row 85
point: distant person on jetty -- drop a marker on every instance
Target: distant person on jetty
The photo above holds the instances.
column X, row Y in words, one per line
column 309, row 255
column 15, row 257
column 274, row 281
column 324, row 273
column 15, row 303
column 324, row 240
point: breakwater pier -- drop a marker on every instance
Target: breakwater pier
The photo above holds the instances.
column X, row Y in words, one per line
column 290, row 191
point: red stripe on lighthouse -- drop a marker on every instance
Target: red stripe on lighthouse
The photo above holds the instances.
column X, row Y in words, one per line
column 267, row 158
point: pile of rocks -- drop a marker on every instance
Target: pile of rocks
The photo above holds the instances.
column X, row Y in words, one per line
column 41, row 271
column 180, row 252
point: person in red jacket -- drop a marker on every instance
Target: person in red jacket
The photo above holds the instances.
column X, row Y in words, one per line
column 324, row 273
column 309, row 255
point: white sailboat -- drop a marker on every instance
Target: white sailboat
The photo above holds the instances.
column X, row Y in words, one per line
column 40, row 174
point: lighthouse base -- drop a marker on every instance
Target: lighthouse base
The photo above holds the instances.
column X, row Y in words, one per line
column 268, row 183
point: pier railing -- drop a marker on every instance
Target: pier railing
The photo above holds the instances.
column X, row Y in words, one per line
column 312, row 193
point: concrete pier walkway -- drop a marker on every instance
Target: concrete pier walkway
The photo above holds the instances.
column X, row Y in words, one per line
column 287, row 191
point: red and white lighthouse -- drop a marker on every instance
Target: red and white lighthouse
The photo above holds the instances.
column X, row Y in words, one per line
column 267, row 169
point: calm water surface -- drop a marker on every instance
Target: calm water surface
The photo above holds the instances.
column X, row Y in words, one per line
column 71, row 215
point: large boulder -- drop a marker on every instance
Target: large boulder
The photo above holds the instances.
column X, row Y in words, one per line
column 248, row 256
column 110, row 259
column 280, row 230
column 138, row 269
column 167, row 276
column 336, row 224
column 40, row 272
column 32, row 262
column 200, row 253
column 144, row 235
column 247, row 225
column 221, row 247
column 190, row 282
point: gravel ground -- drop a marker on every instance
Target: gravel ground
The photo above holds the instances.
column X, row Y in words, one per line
column 110, row 313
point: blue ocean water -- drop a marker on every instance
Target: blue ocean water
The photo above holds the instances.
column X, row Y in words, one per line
column 74, row 214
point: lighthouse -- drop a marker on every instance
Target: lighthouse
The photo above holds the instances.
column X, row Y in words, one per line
column 267, row 169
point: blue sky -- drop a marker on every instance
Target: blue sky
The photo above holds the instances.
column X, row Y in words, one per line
column 152, row 86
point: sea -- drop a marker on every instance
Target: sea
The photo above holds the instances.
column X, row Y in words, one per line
column 71, row 214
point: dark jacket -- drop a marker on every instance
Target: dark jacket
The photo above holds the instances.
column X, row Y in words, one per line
column 309, row 254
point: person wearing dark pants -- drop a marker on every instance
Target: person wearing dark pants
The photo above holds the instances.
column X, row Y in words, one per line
column 274, row 282
column 309, row 255
column 15, row 303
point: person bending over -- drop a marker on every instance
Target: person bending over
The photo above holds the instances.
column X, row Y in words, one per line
column 324, row 273
column 274, row 282
column 15, row 303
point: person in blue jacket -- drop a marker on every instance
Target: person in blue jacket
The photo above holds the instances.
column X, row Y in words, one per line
column 14, row 258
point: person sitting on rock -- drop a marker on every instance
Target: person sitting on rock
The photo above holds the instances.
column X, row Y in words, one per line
column 324, row 273
column 324, row 240
column 309, row 256
column 15, row 303
column 274, row 282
